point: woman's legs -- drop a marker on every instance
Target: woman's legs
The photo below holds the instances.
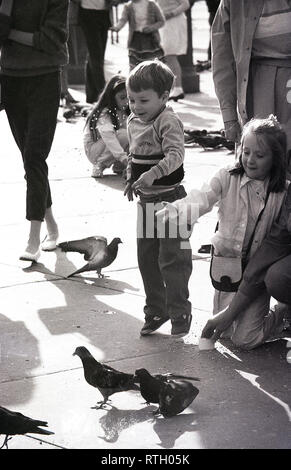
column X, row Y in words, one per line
column 31, row 105
column 173, row 63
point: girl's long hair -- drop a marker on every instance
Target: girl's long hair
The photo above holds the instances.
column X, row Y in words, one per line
column 107, row 100
column 274, row 137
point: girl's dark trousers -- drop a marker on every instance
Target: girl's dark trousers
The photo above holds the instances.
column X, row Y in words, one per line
column 31, row 104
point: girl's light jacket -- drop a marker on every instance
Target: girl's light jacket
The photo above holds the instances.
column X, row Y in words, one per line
column 229, row 193
column 232, row 37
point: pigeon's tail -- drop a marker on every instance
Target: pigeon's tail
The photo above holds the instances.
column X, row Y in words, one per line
column 186, row 377
column 177, row 376
column 37, row 430
column 81, row 270
column 36, row 422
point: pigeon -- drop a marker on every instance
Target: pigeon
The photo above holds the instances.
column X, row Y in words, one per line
column 12, row 422
column 151, row 385
column 96, row 252
column 105, row 378
column 190, row 135
column 175, row 396
column 75, row 109
column 208, row 139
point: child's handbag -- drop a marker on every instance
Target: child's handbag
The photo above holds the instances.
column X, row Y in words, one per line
column 226, row 273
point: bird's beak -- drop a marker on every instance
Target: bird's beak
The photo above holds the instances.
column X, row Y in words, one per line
column 74, row 353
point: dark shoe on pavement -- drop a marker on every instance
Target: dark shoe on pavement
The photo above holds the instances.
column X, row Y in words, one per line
column 181, row 326
column 152, row 324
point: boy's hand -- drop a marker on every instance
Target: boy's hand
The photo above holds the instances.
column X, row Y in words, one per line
column 113, row 28
column 144, row 181
column 169, row 212
column 129, row 191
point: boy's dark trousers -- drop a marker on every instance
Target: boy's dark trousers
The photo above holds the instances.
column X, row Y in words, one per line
column 165, row 263
column 95, row 25
column 31, row 105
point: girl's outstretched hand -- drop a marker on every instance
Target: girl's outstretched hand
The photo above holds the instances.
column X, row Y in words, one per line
column 169, row 211
column 217, row 325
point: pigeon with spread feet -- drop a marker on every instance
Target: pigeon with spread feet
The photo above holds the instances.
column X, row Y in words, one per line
column 95, row 251
column 105, row 378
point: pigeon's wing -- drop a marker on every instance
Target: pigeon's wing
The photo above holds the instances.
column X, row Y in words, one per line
column 114, row 381
column 89, row 246
column 175, row 396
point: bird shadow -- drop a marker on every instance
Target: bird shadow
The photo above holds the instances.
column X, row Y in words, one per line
column 170, row 429
column 113, row 286
column 19, row 357
column 107, row 283
column 115, row 421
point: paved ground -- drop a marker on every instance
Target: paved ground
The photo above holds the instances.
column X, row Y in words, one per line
column 244, row 400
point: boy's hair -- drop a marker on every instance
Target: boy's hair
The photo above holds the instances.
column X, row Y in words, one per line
column 107, row 100
column 274, row 137
column 151, row 74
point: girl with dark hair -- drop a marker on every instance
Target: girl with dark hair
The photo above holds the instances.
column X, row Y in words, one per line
column 105, row 134
column 249, row 197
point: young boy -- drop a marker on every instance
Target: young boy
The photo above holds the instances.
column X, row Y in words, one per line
column 154, row 173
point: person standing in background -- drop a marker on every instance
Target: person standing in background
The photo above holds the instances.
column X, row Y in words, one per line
column 95, row 20
column 174, row 39
column 212, row 6
column 144, row 18
column 251, row 62
column 33, row 50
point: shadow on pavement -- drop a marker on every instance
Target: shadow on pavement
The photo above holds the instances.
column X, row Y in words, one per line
column 19, row 356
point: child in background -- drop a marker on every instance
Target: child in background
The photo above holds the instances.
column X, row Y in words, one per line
column 144, row 19
column 241, row 194
column 105, row 135
column 154, row 173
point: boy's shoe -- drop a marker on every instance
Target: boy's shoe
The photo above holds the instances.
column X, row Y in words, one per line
column 152, row 324
column 181, row 326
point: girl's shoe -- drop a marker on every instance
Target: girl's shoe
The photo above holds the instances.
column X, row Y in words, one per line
column 27, row 256
column 176, row 94
column 50, row 242
column 118, row 168
column 97, row 171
